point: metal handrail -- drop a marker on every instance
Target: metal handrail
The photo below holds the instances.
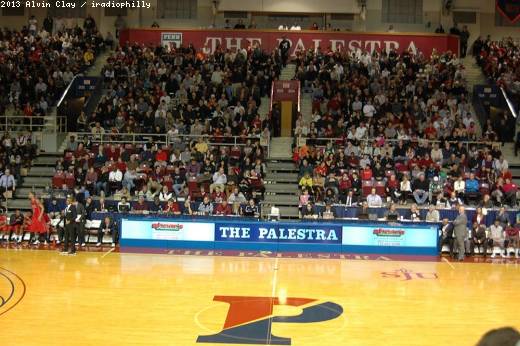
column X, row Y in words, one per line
column 509, row 103
column 27, row 123
column 395, row 140
column 62, row 98
column 139, row 138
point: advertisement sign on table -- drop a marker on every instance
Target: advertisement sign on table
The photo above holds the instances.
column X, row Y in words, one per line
column 390, row 236
column 167, row 230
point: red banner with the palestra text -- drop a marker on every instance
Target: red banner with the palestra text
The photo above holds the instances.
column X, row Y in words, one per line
column 208, row 40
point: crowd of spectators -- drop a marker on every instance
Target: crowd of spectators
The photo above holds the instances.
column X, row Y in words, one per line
column 16, row 155
column 195, row 177
column 502, row 235
column 172, row 91
column 500, row 61
column 202, row 113
column 392, row 126
column 358, row 95
column 37, row 64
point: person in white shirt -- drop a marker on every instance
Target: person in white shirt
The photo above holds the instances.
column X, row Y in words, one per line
column 369, row 110
column 216, row 76
column 237, row 197
column 496, row 233
column 433, row 214
column 361, row 132
column 115, row 179
column 406, row 189
column 374, row 200
column 115, row 176
column 500, row 164
column 357, row 105
column 296, row 27
column 467, row 120
column 165, row 195
column 365, row 58
column 67, row 76
column 219, row 180
column 98, row 131
column 129, row 179
column 436, row 154
column 33, row 25
column 239, row 109
column 459, row 186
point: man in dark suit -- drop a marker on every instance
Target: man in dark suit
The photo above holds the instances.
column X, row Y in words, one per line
column 350, row 199
column 460, row 230
column 80, row 222
column 363, row 211
column 284, row 47
column 107, row 226
column 70, row 215
column 447, row 235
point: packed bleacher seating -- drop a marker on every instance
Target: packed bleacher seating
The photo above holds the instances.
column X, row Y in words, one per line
column 202, row 115
column 16, row 155
column 151, row 176
column 37, row 65
column 178, row 132
column 397, row 126
column 184, row 91
column 500, row 61
column 388, row 95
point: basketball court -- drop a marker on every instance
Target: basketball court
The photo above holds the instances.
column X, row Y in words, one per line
column 111, row 298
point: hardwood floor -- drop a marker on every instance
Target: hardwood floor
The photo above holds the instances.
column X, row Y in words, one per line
column 143, row 299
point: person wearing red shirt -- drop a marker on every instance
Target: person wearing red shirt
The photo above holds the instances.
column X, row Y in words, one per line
column 141, row 207
column 112, row 153
column 172, row 207
column 366, row 174
column 4, row 225
column 392, row 188
column 121, row 165
column 161, row 155
column 510, row 190
column 430, row 132
column 333, row 105
column 218, row 196
column 352, row 161
column 425, row 162
column 344, row 183
column 321, row 169
column 223, row 209
column 506, row 174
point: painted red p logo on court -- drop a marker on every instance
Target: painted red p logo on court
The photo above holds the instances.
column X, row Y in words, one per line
column 249, row 319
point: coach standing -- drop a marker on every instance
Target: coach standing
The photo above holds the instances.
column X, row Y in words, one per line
column 460, row 230
column 70, row 227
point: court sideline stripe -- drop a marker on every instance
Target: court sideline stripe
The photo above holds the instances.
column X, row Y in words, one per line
column 273, row 292
column 106, row 253
column 448, row 261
